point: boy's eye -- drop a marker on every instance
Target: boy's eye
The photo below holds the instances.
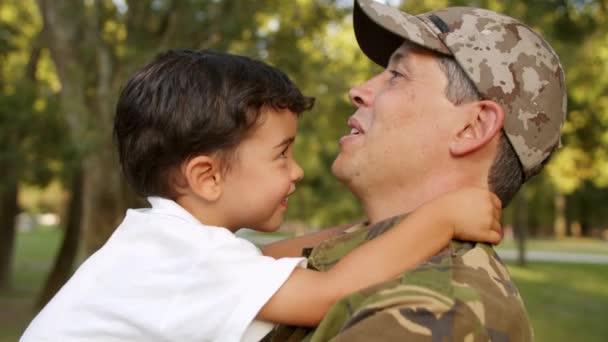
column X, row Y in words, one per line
column 284, row 152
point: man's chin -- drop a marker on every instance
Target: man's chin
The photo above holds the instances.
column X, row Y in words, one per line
column 340, row 169
column 336, row 167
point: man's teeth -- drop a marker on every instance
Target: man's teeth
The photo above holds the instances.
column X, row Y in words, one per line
column 354, row 131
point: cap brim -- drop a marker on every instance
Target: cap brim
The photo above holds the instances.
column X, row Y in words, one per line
column 381, row 29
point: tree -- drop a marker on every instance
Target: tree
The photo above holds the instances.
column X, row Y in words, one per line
column 28, row 120
column 8, row 188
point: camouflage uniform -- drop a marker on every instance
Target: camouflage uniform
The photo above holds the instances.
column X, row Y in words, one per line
column 464, row 293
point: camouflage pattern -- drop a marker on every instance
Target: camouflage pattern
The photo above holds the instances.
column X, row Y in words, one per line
column 464, row 293
column 506, row 60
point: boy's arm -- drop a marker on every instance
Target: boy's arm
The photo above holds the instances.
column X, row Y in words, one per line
column 293, row 247
column 307, row 295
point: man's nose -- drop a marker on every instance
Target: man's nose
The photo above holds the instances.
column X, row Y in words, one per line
column 361, row 95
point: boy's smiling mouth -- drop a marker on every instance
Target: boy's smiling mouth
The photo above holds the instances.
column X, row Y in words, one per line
column 285, row 199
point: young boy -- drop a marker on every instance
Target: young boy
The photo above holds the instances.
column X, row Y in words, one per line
column 208, row 138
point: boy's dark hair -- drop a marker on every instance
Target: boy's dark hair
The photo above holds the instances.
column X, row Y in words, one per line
column 186, row 103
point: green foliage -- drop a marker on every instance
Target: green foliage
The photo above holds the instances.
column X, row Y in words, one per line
column 313, row 41
column 31, row 128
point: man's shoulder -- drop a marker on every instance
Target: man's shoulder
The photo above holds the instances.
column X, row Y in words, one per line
column 325, row 255
column 463, row 291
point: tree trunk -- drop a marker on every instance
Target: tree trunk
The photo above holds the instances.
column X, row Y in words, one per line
column 521, row 226
column 103, row 201
column 64, row 261
column 11, row 172
column 89, row 114
column 559, row 225
column 8, row 212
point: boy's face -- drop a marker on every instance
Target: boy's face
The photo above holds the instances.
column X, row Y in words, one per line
column 263, row 174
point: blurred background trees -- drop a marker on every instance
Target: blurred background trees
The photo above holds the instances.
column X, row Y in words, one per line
column 62, row 63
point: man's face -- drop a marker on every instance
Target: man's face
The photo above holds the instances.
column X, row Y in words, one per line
column 402, row 127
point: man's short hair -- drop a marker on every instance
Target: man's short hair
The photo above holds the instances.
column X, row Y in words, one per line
column 506, row 176
column 187, row 103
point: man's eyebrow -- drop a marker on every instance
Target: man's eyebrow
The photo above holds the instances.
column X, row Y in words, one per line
column 396, row 58
column 286, row 142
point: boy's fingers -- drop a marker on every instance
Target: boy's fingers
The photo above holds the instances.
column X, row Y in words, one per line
column 492, row 237
column 495, row 226
column 497, row 212
column 496, row 201
column 496, row 238
column 495, row 234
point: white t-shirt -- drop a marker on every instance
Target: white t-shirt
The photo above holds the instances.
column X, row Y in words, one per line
column 163, row 276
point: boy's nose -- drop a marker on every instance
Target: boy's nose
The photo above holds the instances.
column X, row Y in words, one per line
column 296, row 172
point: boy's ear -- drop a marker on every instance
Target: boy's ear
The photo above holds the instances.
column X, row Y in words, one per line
column 204, row 177
column 486, row 121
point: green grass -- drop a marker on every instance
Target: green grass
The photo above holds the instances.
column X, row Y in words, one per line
column 568, row 245
column 566, row 302
column 34, row 255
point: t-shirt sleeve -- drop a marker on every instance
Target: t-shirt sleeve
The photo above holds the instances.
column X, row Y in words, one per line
column 256, row 279
column 230, row 285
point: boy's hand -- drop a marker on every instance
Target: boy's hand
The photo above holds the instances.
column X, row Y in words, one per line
column 474, row 213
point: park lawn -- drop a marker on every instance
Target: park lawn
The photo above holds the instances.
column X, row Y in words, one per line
column 566, row 302
column 34, row 253
column 566, row 245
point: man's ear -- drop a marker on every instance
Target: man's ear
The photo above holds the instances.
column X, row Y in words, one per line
column 204, row 177
column 486, row 121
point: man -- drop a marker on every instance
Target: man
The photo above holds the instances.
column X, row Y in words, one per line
column 469, row 97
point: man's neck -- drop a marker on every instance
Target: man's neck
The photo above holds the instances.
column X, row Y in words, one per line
column 390, row 205
column 381, row 205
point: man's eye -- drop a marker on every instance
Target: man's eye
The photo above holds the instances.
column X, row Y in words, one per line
column 395, row 74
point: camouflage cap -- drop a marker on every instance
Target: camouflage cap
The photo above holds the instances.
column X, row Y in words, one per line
column 506, row 60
